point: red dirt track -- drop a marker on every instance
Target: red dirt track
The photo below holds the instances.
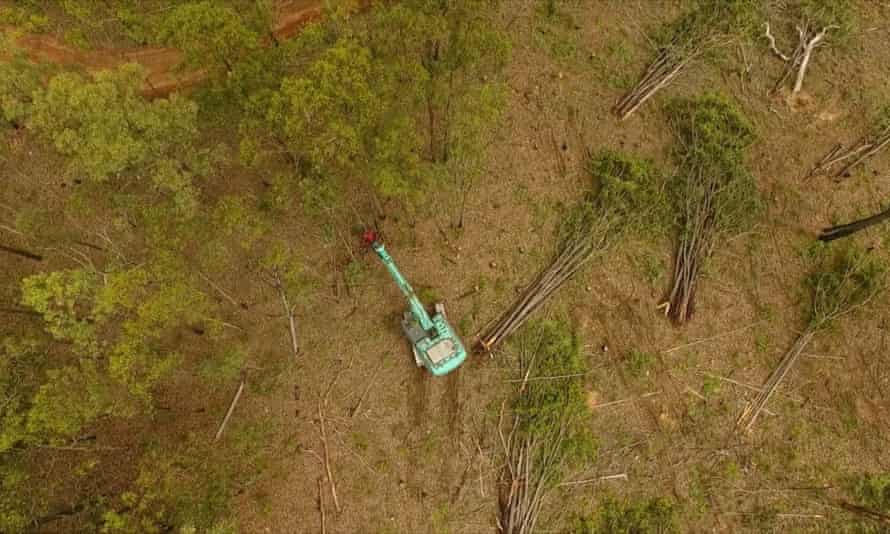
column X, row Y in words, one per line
column 161, row 64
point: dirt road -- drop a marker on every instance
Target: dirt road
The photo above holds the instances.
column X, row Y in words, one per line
column 163, row 76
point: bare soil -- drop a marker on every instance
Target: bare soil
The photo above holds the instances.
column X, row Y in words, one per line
column 421, row 455
column 675, row 436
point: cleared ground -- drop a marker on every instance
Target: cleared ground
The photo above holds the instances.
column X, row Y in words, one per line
column 414, row 454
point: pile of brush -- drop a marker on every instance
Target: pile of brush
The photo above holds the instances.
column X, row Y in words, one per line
column 548, row 430
column 839, row 283
column 710, row 23
column 714, row 193
column 628, row 194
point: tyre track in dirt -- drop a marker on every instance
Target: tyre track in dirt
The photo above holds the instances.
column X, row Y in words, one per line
column 416, row 397
column 435, row 414
column 162, row 65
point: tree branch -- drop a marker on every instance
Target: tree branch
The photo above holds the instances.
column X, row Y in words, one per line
column 228, row 416
column 808, row 48
column 773, row 47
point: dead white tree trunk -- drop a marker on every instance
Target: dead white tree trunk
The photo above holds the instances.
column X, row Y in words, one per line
column 808, row 48
column 799, row 60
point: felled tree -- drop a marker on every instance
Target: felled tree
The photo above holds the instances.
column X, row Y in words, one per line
column 549, row 430
column 843, row 230
column 110, row 132
column 282, row 270
column 627, row 198
column 816, row 21
column 715, row 195
column 870, row 144
column 705, row 26
column 839, row 282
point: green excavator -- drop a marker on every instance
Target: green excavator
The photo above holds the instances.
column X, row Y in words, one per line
column 434, row 342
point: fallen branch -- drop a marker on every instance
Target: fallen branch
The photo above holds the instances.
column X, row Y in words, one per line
column 713, row 338
column 455, row 495
column 225, row 421
column 19, row 311
column 291, row 321
column 619, row 476
column 833, row 157
column 327, row 457
column 866, row 512
column 273, row 278
column 481, row 471
column 324, row 441
column 364, row 394
column 661, row 72
column 800, row 516
column 320, row 502
column 74, row 448
column 810, row 44
column 625, row 401
column 731, row 381
column 11, row 230
column 868, row 146
column 219, row 290
column 773, row 47
column 752, row 410
column 21, row 253
column 537, row 378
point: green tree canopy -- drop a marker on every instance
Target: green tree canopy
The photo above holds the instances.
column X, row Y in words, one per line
column 401, row 100
column 19, row 78
column 209, row 34
column 109, row 131
column 115, row 328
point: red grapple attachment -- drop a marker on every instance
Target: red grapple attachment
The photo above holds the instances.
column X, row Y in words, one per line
column 369, row 237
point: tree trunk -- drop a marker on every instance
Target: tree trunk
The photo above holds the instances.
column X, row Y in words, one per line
column 21, row 252
column 843, row 230
column 431, row 120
